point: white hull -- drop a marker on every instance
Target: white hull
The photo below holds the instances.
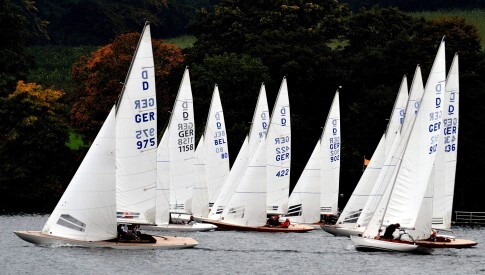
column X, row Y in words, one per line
column 162, row 242
column 340, row 231
column 181, row 227
column 366, row 244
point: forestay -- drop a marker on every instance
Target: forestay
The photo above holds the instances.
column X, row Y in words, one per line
column 136, row 138
column 445, row 163
column 86, row 210
column 278, row 154
column 330, row 150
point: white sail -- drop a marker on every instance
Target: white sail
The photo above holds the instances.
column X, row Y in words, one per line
column 136, row 139
column 396, row 119
column 445, row 163
column 278, row 153
column 354, row 207
column 216, row 151
column 393, row 158
column 200, row 200
column 258, row 129
column 162, row 215
column 180, row 149
column 86, row 210
column 260, row 122
column 409, row 187
column 247, row 205
column 304, row 202
column 330, row 150
column 362, row 191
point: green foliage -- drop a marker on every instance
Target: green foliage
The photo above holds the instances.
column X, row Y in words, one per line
column 320, row 46
column 75, row 141
column 290, row 38
column 33, row 155
column 95, row 22
column 53, row 65
column 472, row 17
column 14, row 32
column 183, row 41
column 238, row 78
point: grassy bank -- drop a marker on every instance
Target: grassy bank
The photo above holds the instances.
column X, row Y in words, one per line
column 53, row 64
column 473, row 17
column 184, row 41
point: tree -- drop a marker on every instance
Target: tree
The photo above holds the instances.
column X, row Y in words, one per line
column 99, row 79
column 34, row 158
column 15, row 30
column 239, row 78
column 290, row 37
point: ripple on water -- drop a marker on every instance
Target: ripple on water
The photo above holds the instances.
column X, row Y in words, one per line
column 231, row 252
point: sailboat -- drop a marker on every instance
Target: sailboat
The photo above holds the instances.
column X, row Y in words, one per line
column 407, row 192
column 259, row 126
column 247, row 208
column 175, row 167
column 346, row 224
column 319, row 179
column 212, row 159
column 443, row 176
column 86, row 214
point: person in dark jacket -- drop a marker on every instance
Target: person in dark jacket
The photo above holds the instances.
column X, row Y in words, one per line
column 389, row 230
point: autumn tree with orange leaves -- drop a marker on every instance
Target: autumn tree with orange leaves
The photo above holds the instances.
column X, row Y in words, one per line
column 34, row 157
column 99, row 77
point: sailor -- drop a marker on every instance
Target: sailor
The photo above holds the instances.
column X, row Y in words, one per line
column 390, row 230
column 191, row 220
column 285, row 224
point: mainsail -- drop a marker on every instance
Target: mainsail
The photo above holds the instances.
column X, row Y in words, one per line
column 445, row 163
column 278, row 154
column 215, row 149
column 175, row 156
column 330, row 150
column 136, row 138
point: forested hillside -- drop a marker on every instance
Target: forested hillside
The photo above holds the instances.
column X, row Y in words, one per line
column 83, row 49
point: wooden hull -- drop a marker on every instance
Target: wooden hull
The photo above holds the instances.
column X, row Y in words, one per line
column 339, row 231
column 373, row 245
column 162, row 242
column 293, row 228
column 198, row 227
column 456, row 243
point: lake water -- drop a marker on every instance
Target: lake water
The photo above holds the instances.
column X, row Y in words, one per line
column 224, row 252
